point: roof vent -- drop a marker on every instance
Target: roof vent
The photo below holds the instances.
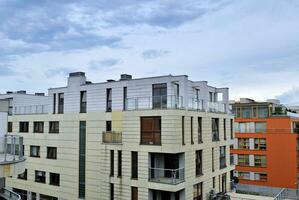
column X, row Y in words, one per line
column 9, row 92
column 110, row 80
column 21, row 92
column 39, row 94
column 124, row 77
column 77, row 74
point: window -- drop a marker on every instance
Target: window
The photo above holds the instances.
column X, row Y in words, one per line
column 244, row 175
column 134, row 193
column 125, row 98
column 54, row 179
column 51, row 152
column 134, row 164
column 111, row 162
column 46, row 197
column 83, row 102
column 119, row 168
column 214, row 182
column 151, row 130
column 215, row 129
column 108, row 100
column 40, row 176
column 243, row 160
column 60, row 103
column 108, row 126
column 82, row 158
column 198, row 162
column 53, row 127
column 183, row 130
column 222, row 158
column 9, row 127
column 231, row 128
column 224, row 129
column 243, row 143
column 38, row 127
column 111, row 191
column 260, row 176
column 213, row 164
column 260, row 127
column 54, row 103
column 199, row 129
column 34, row 151
column 23, row 176
column 191, row 124
column 211, row 96
column 260, row 161
column 24, row 127
column 246, row 112
column 260, row 144
column 251, row 127
column 159, row 93
column 263, row 112
column 197, row 192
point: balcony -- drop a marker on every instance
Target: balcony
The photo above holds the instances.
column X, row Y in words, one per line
column 196, row 104
column 232, row 160
column 154, row 102
column 168, row 176
column 216, row 107
column 166, row 168
column 112, row 137
column 9, row 195
column 28, row 110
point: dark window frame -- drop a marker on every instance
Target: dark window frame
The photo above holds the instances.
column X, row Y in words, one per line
column 40, row 179
column 111, row 163
column 38, row 127
column 199, row 130
column 198, row 163
column 119, row 162
column 109, row 100
column 60, row 103
column 9, row 127
column 38, row 151
column 54, row 126
column 83, row 101
column 134, row 165
column 52, row 155
column 54, row 179
column 153, row 136
column 24, row 127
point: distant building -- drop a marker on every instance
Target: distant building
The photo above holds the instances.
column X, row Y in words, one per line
column 152, row 138
column 266, row 145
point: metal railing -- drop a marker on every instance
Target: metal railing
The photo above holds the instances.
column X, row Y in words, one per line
column 11, row 148
column 216, row 107
column 10, row 194
column 32, row 109
column 154, row 102
column 286, row 193
column 112, row 137
column 168, row 176
column 196, row 104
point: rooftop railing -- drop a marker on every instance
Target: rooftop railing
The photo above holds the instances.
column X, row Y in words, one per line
column 32, row 109
column 196, row 104
column 154, row 102
column 11, row 149
column 216, row 107
column 168, row 176
column 112, row 137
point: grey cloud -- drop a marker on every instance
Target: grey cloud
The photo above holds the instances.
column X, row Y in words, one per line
column 103, row 64
column 6, row 71
column 57, row 71
column 290, row 97
column 153, row 53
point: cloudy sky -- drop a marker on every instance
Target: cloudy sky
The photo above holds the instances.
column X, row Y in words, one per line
column 250, row 46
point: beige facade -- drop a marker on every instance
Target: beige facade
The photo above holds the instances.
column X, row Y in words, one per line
column 98, row 179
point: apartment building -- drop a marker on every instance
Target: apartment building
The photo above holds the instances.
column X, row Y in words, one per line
column 266, row 147
column 156, row 138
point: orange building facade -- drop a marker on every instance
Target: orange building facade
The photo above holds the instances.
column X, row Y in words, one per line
column 266, row 146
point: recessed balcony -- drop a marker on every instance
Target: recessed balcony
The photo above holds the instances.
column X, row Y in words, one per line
column 167, row 168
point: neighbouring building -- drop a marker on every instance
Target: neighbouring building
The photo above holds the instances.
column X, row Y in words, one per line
column 11, row 155
column 266, row 146
column 156, row 138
